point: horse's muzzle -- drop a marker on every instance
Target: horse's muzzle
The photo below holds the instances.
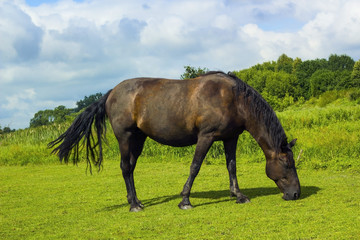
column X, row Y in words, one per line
column 291, row 195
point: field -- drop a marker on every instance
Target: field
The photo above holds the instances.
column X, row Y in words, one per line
column 42, row 199
column 59, row 201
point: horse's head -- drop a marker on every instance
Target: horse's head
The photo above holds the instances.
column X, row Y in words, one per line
column 281, row 168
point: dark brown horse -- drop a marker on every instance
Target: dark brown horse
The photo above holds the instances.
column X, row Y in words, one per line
column 213, row 107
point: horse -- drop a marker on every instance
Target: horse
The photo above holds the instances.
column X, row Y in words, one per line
column 212, row 107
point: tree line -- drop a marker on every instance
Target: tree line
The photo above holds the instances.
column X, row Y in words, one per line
column 287, row 80
column 280, row 82
column 61, row 113
column 6, row 130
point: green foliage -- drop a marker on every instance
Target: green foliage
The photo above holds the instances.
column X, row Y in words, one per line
column 355, row 75
column 329, row 136
column 61, row 113
column 301, row 80
column 87, row 101
column 339, row 63
column 29, row 146
column 46, row 117
column 284, row 63
column 355, row 95
column 192, row 72
column 42, row 117
column 280, row 84
column 255, row 78
column 6, row 130
column 343, row 80
column 296, row 64
column 321, row 81
column 62, row 202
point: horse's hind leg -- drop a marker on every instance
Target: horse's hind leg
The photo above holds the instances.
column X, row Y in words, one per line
column 230, row 153
column 131, row 145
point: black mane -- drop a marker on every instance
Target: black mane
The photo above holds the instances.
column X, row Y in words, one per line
column 259, row 108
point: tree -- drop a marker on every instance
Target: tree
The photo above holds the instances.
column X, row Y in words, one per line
column 279, row 84
column 42, row 117
column 303, row 73
column 46, row 117
column 87, row 101
column 355, row 75
column 295, row 65
column 265, row 66
column 321, row 81
column 342, row 62
column 284, row 63
column 6, row 130
column 255, row 78
column 342, row 66
column 191, row 72
column 343, row 79
column 60, row 113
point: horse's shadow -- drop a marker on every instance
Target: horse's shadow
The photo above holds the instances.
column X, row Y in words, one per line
column 219, row 196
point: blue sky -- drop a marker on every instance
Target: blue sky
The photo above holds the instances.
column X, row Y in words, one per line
column 55, row 52
column 35, row 3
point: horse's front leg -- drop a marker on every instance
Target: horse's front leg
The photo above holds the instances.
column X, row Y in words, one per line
column 202, row 147
column 230, row 153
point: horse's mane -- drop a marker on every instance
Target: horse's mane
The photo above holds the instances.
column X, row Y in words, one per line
column 259, row 108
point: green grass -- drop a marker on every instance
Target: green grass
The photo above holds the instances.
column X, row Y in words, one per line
column 62, row 202
column 329, row 136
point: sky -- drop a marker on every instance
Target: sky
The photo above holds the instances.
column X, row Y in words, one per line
column 55, row 52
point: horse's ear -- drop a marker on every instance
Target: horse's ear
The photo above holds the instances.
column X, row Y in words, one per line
column 292, row 143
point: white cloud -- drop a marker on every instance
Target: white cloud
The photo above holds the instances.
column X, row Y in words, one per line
column 224, row 22
column 20, row 100
column 16, row 108
column 20, row 38
column 66, row 50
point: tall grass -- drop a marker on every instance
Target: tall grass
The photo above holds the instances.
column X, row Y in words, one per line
column 29, row 146
column 329, row 136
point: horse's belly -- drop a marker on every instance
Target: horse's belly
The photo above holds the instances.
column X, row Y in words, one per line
column 168, row 135
column 175, row 142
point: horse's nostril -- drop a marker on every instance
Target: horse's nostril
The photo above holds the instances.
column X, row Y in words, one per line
column 296, row 195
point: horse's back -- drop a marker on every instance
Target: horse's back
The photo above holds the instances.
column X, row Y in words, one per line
column 171, row 111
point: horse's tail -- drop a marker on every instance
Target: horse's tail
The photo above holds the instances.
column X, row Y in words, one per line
column 82, row 128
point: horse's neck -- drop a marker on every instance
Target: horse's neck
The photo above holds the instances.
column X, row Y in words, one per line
column 261, row 121
column 260, row 132
column 261, row 136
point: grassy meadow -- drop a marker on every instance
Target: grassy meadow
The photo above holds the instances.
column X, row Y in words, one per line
column 42, row 199
column 62, row 202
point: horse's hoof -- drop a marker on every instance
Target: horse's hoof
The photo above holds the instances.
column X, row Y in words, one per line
column 185, row 207
column 242, row 200
column 136, row 209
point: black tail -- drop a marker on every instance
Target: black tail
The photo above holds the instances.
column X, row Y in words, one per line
column 82, row 128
